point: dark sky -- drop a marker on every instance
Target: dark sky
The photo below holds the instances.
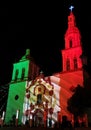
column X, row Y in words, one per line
column 41, row 29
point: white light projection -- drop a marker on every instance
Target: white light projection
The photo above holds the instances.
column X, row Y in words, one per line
column 49, row 89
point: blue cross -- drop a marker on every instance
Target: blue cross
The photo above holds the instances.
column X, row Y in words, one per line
column 71, row 8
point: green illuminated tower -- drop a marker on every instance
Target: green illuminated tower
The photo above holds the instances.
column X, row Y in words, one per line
column 23, row 71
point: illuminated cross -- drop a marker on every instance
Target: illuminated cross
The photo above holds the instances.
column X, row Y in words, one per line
column 71, row 8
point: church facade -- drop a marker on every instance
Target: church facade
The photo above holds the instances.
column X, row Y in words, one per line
column 42, row 100
column 32, row 93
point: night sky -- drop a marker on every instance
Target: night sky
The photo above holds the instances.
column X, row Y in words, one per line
column 41, row 29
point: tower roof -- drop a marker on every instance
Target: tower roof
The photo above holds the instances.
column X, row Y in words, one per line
column 26, row 56
column 72, row 28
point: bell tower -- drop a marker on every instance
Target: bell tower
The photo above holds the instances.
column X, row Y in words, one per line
column 72, row 72
column 73, row 50
column 23, row 71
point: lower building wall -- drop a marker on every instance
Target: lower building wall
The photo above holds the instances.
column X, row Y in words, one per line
column 15, row 102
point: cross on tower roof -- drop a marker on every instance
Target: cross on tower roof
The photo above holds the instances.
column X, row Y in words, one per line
column 71, row 8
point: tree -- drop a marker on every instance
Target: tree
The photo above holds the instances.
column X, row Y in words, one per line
column 76, row 102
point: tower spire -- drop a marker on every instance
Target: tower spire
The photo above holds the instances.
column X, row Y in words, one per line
column 71, row 60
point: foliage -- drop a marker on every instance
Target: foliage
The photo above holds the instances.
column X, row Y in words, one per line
column 76, row 103
column 79, row 100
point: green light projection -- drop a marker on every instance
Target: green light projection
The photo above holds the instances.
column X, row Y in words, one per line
column 17, row 89
column 15, row 101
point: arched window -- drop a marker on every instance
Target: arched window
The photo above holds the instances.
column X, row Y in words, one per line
column 16, row 74
column 75, row 63
column 68, row 64
column 23, row 73
column 70, row 43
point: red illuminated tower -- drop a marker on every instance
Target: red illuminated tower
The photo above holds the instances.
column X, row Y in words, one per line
column 72, row 73
column 73, row 49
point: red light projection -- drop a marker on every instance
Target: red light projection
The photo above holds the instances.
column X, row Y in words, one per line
column 73, row 50
column 72, row 73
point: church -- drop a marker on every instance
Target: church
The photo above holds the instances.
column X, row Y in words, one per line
column 40, row 98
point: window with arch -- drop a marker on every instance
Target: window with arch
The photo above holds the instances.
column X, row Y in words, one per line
column 68, row 64
column 16, row 74
column 75, row 63
column 23, row 73
column 70, row 43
